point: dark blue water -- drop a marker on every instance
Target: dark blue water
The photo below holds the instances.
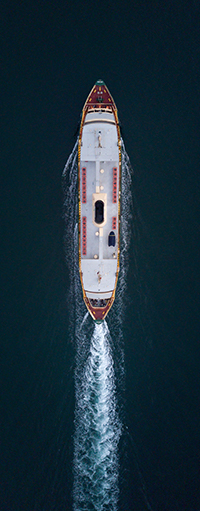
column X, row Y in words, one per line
column 149, row 58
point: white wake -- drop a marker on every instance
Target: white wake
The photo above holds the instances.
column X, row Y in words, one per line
column 97, row 427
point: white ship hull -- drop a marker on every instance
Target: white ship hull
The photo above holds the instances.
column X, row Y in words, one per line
column 99, row 161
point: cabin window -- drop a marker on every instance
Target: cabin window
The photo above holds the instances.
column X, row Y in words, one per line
column 99, row 211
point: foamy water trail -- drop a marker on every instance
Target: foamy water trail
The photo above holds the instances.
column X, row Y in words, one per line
column 97, row 427
column 97, row 423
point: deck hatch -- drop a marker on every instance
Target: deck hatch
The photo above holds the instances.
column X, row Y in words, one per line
column 111, row 239
column 114, row 185
column 84, row 184
column 84, row 235
column 99, row 211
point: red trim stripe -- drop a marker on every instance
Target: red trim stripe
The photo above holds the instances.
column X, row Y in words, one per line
column 114, row 185
column 84, row 235
column 84, row 195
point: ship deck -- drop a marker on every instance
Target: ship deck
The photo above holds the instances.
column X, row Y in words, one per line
column 99, row 181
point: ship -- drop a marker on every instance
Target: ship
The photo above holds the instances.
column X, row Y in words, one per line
column 99, row 191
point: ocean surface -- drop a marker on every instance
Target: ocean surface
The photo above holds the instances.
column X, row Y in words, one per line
column 101, row 418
